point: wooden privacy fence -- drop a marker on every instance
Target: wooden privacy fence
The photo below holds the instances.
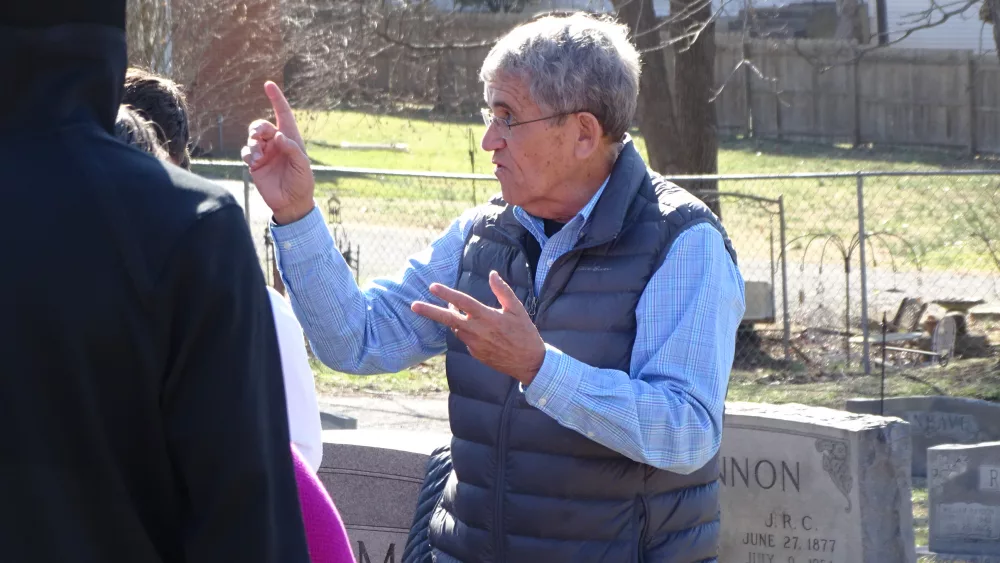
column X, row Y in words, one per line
column 805, row 89
column 821, row 90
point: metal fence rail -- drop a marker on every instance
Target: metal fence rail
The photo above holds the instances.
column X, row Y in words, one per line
column 825, row 255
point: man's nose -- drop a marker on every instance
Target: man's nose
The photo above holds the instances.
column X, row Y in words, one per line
column 492, row 139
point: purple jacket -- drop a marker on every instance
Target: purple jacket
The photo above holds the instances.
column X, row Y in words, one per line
column 325, row 532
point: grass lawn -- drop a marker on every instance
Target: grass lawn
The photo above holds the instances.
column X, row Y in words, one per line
column 974, row 378
column 920, row 516
column 444, row 147
column 932, row 219
column 424, row 379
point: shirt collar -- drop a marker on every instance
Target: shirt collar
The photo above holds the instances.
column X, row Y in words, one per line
column 589, row 208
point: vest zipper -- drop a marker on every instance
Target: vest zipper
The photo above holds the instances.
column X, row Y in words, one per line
column 498, row 526
column 531, row 306
column 644, row 529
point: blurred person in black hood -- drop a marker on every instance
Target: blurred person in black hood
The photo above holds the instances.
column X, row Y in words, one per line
column 140, row 414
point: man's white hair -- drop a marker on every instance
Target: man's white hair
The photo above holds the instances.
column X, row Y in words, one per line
column 576, row 62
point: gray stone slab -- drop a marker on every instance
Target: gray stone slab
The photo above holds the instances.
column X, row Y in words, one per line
column 374, row 477
column 985, row 312
column 938, row 420
column 337, row 421
column 963, row 498
column 927, row 556
column 759, row 299
column 803, row 484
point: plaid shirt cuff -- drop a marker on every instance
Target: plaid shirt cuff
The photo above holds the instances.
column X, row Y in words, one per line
column 554, row 386
column 303, row 241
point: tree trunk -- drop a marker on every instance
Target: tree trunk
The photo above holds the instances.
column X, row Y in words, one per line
column 678, row 122
column 994, row 8
column 694, row 86
column 655, row 113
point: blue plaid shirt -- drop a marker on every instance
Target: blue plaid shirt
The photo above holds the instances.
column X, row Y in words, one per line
column 667, row 411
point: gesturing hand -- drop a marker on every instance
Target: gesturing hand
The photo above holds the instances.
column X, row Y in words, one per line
column 278, row 162
column 504, row 339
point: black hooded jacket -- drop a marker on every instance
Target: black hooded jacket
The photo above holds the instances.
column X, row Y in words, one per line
column 142, row 412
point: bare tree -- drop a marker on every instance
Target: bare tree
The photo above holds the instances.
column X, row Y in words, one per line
column 991, row 15
column 219, row 51
column 656, row 115
column 676, row 114
column 380, row 55
column 333, row 47
column 148, row 34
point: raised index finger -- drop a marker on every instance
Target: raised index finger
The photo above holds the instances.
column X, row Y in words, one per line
column 283, row 115
column 463, row 302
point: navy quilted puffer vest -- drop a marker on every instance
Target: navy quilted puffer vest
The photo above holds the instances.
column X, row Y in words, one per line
column 523, row 487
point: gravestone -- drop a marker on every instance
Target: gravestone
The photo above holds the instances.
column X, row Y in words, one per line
column 928, row 557
column 337, row 421
column 803, row 484
column 374, row 477
column 907, row 318
column 938, row 420
column 963, row 499
column 943, row 337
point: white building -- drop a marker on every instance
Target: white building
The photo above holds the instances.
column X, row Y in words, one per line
column 964, row 31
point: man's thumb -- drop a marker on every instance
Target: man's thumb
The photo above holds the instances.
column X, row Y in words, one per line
column 288, row 146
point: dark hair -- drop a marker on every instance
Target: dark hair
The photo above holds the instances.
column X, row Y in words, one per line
column 134, row 129
column 161, row 101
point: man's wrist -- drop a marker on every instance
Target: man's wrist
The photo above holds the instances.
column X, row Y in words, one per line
column 289, row 215
column 555, row 382
column 528, row 375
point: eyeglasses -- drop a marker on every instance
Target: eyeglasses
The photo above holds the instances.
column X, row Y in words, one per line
column 505, row 125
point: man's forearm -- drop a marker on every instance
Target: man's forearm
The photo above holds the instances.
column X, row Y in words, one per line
column 657, row 424
column 370, row 331
column 668, row 411
column 323, row 293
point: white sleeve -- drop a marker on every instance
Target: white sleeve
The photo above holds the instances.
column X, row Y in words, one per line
column 304, row 424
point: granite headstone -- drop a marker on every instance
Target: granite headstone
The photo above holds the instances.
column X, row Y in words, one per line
column 374, row 477
column 938, row 420
column 803, row 484
column 963, row 499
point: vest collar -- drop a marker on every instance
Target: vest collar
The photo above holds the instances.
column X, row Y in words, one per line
column 608, row 217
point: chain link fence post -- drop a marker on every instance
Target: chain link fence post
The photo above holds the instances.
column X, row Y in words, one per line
column 786, row 337
column 865, row 359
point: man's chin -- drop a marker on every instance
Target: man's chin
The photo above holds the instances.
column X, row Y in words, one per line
column 509, row 194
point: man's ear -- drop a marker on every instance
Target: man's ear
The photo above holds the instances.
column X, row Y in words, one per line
column 589, row 135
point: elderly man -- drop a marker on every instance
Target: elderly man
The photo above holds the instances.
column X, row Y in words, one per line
column 589, row 316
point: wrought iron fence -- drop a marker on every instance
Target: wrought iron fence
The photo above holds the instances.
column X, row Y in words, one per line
column 825, row 256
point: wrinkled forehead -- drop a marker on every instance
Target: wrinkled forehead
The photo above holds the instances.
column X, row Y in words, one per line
column 509, row 92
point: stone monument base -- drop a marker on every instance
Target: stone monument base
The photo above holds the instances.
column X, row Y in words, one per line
column 374, row 478
column 925, row 556
column 337, row 421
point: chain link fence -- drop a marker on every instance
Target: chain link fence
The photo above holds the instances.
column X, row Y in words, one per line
column 917, row 250
column 826, row 258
